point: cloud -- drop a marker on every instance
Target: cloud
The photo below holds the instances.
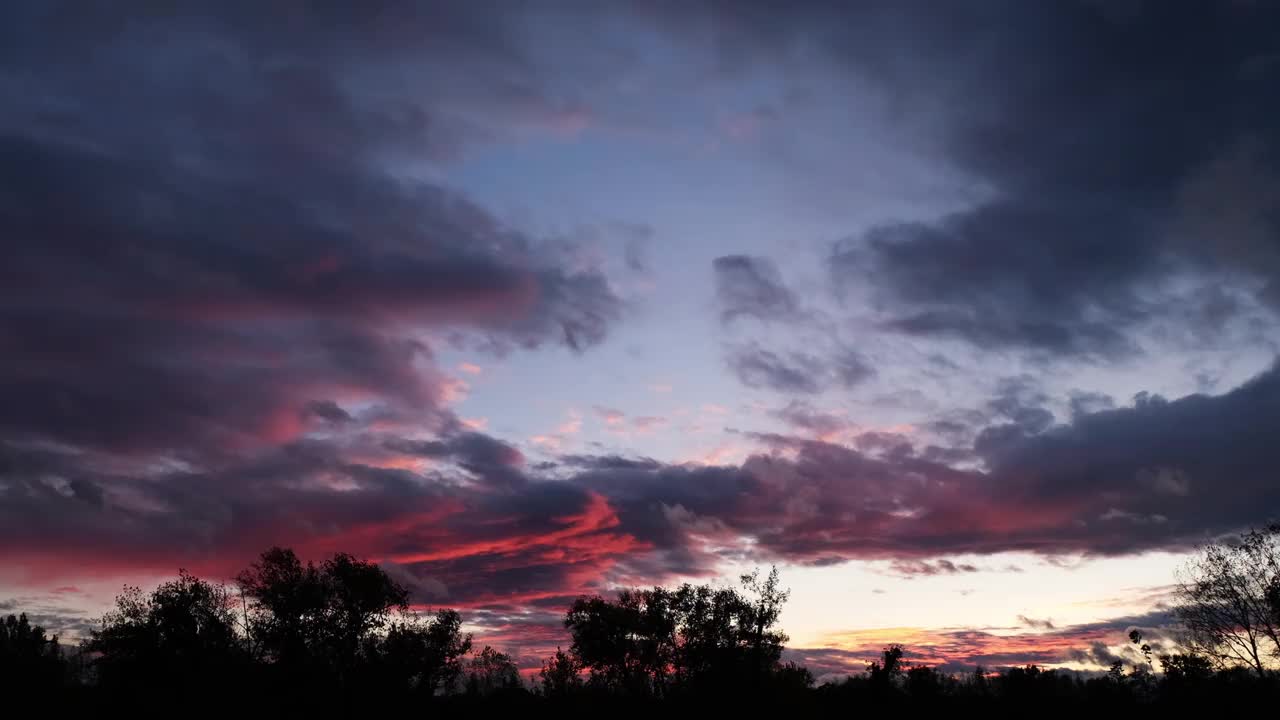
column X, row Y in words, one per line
column 759, row 368
column 922, row 568
column 1115, row 482
column 246, row 250
column 1021, row 401
column 648, row 423
column 231, row 262
column 1093, row 645
column 610, row 462
column 470, row 536
column 487, row 459
column 850, row 368
column 752, row 287
column 1098, row 653
column 67, row 623
column 422, row 590
column 803, row 417
column 749, row 286
column 228, row 272
column 610, row 416
column 244, row 263
column 1086, row 403
column 1035, row 624
column 796, row 372
column 616, row 421
column 329, row 411
column 494, row 531
column 1083, row 239
column 915, row 270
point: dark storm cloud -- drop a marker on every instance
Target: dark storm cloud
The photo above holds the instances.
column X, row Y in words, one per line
column 1128, row 161
column 991, row 301
column 1121, row 151
column 215, row 208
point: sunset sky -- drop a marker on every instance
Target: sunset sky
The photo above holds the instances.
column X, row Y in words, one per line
column 964, row 315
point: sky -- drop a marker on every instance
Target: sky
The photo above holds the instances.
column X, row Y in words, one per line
column 963, row 315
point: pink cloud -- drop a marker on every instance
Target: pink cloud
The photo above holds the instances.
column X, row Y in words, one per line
column 610, row 416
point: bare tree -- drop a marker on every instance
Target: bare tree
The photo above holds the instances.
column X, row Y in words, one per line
column 1229, row 600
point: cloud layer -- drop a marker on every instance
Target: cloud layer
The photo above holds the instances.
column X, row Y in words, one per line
column 1130, row 162
column 1156, row 475
column 237, row 245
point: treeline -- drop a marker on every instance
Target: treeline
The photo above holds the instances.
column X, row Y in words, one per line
column 1173, row 682
column 339, row 637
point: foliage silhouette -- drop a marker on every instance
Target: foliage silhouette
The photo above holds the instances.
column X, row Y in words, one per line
column 561, row 675
column 1229, row 600
column 694, row 639
column 492, row 672
column 425, row 657
column 315, row 623
column 29, row 659
column 180, row 638
column 338, row 637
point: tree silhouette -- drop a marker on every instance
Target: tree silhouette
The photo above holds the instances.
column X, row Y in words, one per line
column 1229, row 600
column 315, row 639
column 426, row 656
column 627, row 645
column 560, row 676
column 310, row 620
column 695, row 639
column 883, row 676
column 181, row 636
column 766, row 600
column 491, row 671
column 924, row 683
column 289, row 607
column 717, row 631
column 29, row 659
column 359, row 598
